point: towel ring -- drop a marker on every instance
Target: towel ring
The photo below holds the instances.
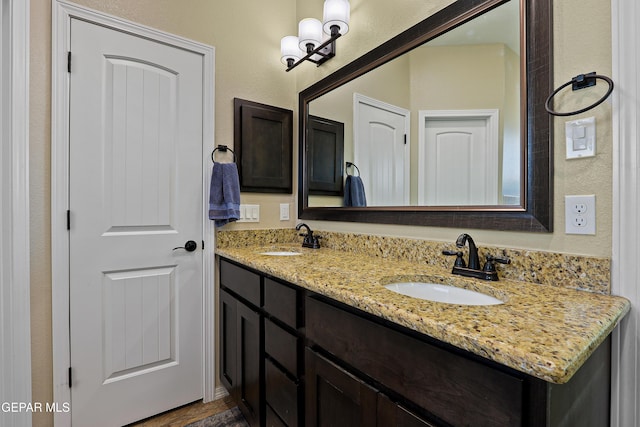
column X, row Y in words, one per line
column 349, row 164
column 224, row 149
column 580, row 82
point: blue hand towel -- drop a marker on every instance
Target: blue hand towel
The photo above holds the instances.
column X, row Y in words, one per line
column 224, row 194
column 354, row 192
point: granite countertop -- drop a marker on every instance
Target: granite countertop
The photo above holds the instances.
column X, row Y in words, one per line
column 545, row 331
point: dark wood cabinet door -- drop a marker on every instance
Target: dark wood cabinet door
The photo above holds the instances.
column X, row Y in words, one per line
column 228, row 359
column 281, row 394
column 249, row 362
column 263, row 143
column 454, row 388
column 334, row 397
column 325, row 156
column 391, row 414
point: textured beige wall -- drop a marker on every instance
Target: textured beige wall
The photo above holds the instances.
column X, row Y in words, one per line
column 246, row 35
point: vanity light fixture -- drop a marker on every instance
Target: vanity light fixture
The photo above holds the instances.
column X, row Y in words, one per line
column 316, row 41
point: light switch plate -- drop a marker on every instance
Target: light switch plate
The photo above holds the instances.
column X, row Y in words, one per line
column 249, row 213
column 581, row 138
column 284, row 211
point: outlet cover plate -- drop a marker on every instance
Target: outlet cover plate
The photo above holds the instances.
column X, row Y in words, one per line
column 580, row 214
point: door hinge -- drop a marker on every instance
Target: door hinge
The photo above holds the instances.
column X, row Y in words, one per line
column 69, row 61
column 69, row 376
column 405, row 139
column 68, row 219
column 203, row 245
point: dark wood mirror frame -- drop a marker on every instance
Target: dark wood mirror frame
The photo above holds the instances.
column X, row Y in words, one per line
column 536, row 214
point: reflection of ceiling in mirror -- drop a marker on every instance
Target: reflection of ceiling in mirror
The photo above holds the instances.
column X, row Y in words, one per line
column 500, row 25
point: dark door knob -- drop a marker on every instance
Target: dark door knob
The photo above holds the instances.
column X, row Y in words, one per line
column 190, row 246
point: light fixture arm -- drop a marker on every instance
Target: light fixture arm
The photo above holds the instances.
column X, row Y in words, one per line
column 325, row 51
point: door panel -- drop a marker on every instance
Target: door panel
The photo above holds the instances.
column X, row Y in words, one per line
column 139, row 307
column 381, row 152
column 140, row 125
column 458, row 159
column 135, row 155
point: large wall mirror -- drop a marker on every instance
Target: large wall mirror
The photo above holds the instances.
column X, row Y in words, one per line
column 443, row 125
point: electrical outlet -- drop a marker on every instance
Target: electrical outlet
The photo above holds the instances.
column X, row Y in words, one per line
column 580, row 214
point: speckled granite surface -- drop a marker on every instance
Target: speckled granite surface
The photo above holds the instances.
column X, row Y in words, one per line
column 546, row 268
column 545, row 331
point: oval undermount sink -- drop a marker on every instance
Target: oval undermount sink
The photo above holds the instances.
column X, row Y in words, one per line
column 442, row 293
column 281, row 253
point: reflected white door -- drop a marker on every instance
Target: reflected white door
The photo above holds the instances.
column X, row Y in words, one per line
column 458, row 158
column 135, row 194
column 381, row 151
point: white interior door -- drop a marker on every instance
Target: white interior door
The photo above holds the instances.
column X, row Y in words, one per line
column 458, row 158
column 135, row 193
column 381, row 151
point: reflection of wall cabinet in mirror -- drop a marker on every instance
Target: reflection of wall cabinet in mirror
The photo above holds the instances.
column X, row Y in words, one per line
column 472, row 57
column 325, row 151
column 263, row 143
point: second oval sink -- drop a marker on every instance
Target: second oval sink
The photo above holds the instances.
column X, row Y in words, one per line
column 442, row 293
column 280, row 253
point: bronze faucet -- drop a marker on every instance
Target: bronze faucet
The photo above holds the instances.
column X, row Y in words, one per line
column 488, row 272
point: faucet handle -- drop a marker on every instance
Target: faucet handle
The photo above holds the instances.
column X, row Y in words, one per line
column 459, row 260
column 489, row 265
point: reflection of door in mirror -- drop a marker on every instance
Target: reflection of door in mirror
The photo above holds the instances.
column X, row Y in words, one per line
column 458, row 157
column 381, row 151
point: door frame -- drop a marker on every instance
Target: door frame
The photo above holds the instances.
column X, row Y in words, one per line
column 381, row 105
column 625, row 272
column 492, row 118
column 62, row 13
column 15, row 322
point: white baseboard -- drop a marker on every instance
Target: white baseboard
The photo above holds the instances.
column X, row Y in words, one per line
column 220, row 393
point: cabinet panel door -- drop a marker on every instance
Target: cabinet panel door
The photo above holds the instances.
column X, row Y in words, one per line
column 334, row 397
column 271, row 419
column 249, row 360
column 454, row 388
column 228, row 323
column 281, row 393
column 391, row 414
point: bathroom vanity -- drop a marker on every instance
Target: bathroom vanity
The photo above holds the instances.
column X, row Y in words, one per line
column 316, row 339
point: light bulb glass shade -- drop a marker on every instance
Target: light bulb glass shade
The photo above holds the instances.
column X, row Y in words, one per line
column 336, row 12
column 289, row 49
column 309, row 32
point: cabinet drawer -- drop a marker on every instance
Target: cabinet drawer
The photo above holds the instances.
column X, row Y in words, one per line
column 458, row 390
column 282, row 346
column 280, row 302
column 243, row 282
column 281, row 394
